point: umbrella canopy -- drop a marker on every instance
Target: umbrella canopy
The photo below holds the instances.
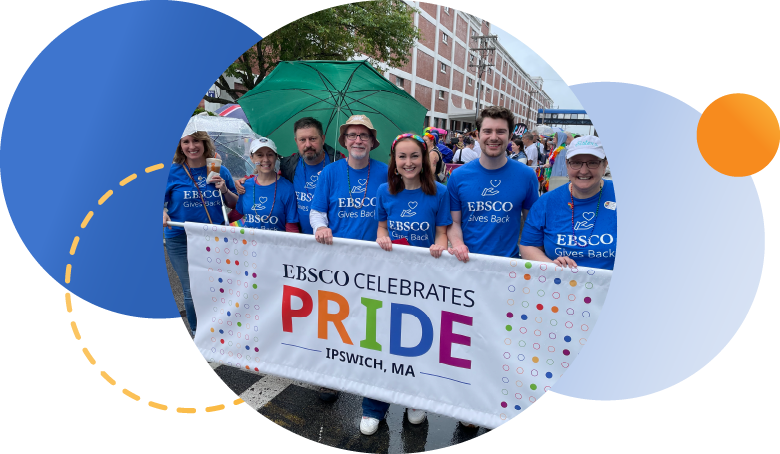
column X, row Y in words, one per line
column 544, row 130
column 331, row 92
column 231, row 137
column 231, row 111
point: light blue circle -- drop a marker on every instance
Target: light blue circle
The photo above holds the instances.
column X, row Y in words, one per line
column 690, row 255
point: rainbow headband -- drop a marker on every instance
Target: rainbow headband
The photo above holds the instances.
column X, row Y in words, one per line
column 428, row 135
column 406, row 136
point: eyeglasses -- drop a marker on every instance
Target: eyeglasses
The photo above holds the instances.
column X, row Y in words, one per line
column 364, row 137
column 577, row 165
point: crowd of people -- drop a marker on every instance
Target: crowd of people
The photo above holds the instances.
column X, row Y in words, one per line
column 483, row 208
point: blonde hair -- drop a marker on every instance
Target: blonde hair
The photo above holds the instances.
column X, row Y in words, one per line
column 209, row 150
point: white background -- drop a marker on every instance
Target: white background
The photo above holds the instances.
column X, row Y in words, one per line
column 695, row 51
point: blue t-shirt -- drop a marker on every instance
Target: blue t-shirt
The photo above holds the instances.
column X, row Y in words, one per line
column 491, row 202
column 414, row 215
column 184, row 204
column 549, row 225
column 349, row 214
column 446, row 153
column 258, row 201
column 305, row 182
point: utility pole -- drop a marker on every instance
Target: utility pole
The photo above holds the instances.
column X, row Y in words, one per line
column 486, row 50
column 543, row 103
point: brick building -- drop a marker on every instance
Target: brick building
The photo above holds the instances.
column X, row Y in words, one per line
column 439, row 77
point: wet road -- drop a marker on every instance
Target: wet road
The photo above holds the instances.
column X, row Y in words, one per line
column 297, row 407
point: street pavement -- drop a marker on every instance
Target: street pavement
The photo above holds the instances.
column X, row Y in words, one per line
column 296, row 407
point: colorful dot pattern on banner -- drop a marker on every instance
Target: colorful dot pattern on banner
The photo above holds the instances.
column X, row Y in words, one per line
column 548, row 337
column 236, row 287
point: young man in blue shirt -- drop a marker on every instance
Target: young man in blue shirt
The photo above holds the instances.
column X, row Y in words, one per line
column 490, row 197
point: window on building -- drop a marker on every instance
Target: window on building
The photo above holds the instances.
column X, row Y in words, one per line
column 469, row 81
column 446, row 10
column 444, row 37
column 471, row 58
column 443, row 68
column 399, row 81
column 490, row 71
column 441, row 94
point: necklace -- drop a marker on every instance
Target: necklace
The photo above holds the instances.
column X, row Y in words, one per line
column 202, row 200
column 349, row 185
column 276, row 183
column 571, row 205
column 305, row 179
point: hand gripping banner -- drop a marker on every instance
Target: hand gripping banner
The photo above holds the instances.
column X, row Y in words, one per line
column 477, row 341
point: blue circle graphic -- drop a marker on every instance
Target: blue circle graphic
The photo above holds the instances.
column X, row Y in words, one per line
column 139, row 69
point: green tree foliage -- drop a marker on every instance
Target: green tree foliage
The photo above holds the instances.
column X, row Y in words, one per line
column 382, row 30
column 199, row 111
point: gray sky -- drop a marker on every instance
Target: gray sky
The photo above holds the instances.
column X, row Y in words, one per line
column 534, row 65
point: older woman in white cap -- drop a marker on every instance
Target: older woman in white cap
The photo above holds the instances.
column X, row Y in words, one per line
column 268, row 201
column 190, row 198
column 575, row 224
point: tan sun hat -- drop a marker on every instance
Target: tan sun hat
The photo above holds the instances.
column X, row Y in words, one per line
column 357, row 120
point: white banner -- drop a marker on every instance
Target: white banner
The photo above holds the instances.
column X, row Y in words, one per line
column 479, row 341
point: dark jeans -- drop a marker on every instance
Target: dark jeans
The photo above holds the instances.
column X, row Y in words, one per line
column 374, row 408
column 177, row 253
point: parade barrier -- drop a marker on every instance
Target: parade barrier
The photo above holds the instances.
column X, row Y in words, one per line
column 478, row 341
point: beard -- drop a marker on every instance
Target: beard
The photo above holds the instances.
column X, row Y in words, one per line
column 311, row 154
column 358, row 153
column 493, row 154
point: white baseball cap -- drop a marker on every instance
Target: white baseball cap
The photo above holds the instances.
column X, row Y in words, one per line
column 585, row 145
column 262, row 142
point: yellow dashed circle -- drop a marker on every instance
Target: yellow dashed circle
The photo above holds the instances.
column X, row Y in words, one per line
column 75, row 330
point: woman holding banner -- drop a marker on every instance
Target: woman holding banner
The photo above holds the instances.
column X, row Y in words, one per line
column 190, row 196
column 575, row 224
column 412, row 209
column 268, row 202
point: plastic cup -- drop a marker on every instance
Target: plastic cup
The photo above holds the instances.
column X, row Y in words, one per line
column 213, row 165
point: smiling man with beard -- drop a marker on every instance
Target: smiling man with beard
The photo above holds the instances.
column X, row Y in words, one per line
column 304, row 173
column 489, row 195
column 345, row 200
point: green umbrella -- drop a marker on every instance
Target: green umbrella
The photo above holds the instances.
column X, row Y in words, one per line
column 331, row 92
